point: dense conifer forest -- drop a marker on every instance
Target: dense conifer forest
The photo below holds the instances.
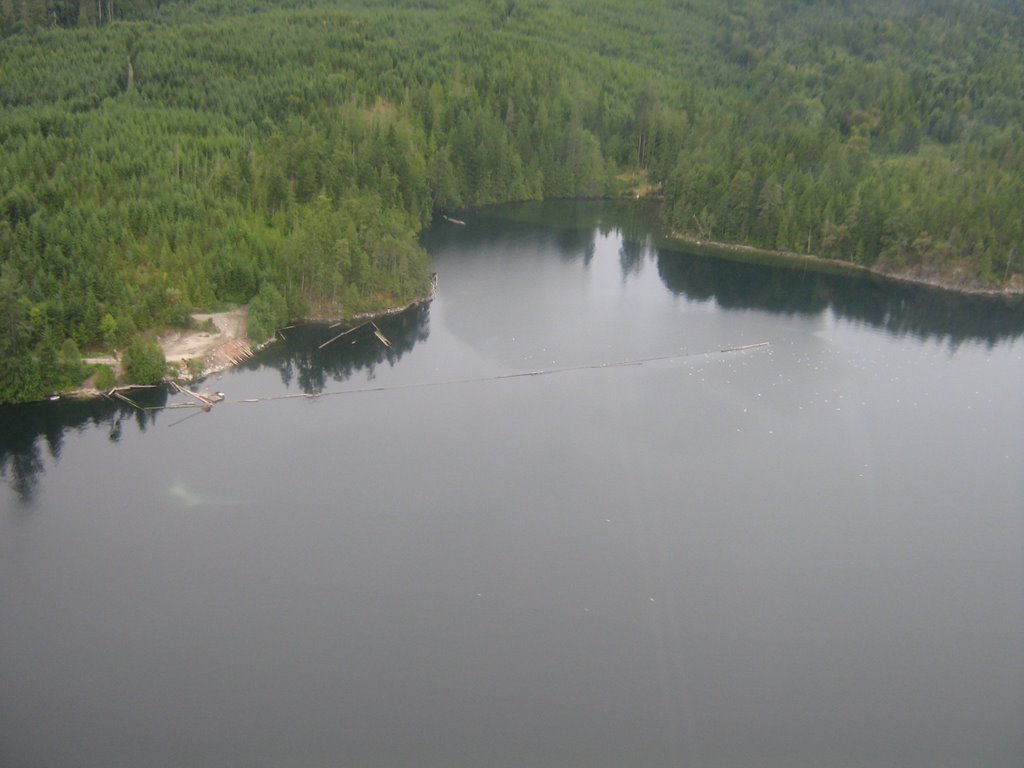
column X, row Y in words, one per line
column 163, row 156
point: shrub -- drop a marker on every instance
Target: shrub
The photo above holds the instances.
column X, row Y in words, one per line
column 206, row 326
column 144, row 361
column 104, row 377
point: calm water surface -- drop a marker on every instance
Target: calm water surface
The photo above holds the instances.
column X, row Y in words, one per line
column 804, row 554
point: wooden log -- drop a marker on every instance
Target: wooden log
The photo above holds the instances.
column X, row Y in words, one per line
column 343, row 333
column 203, row 401
column 381, row 336
column 746, row 346
column 132, row 403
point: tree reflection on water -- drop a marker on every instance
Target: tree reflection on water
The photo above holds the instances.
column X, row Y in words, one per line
column 897, row 308
column 29, row 433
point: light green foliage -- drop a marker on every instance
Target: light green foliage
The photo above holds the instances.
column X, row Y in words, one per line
column 72, row 369
column 267, row 312
column 302, row 144
column 144, row 362
column 105, row 378
column 108, row 330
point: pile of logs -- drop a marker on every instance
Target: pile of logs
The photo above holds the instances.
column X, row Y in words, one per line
column 231, row 353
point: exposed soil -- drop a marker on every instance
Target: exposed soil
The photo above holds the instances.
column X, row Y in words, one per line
column 216, row 350
column 209, row 347
column 181, row 346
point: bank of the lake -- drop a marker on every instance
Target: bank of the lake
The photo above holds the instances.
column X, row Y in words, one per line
column 1014, row 289
column 650, row 198
column 227, row 347
column 182, row 345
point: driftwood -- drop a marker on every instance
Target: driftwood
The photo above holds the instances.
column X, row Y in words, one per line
column 746, row 346
column 343, row 333
column 376, row 332
column 132, row 403
column 381, row 336
column 117, row 392
column 206, row 401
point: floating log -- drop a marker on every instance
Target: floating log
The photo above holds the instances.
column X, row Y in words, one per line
column 381, row 336
column 746, row 346
column 343, row 333
column 206, row 400
column 203, row 401
column 132, row 403
column 451, row 220
column 184, row 418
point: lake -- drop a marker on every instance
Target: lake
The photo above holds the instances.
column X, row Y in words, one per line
column 555, row 524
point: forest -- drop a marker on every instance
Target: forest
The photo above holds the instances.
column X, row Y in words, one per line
column 159, row 157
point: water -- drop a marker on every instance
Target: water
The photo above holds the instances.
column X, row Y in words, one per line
column 804, row 554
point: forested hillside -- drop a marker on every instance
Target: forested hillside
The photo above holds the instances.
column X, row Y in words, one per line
column 158, row 157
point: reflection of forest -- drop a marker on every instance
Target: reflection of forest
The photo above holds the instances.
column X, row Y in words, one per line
column 898, row 308
column 25, row 428
column 300, row 361
column 27, row 431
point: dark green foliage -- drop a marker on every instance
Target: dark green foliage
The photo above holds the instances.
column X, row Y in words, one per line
column 302, row 144
column 143, row 361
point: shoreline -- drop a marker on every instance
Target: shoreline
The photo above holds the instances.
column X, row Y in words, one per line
column 214, row 362
column 1014, row 291
column 717, row 248
column 231, row 334
column 364, row 316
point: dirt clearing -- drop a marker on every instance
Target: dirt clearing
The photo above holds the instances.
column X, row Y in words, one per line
column 181, row 346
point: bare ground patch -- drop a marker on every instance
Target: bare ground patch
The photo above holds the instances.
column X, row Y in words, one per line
column 182, row 346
